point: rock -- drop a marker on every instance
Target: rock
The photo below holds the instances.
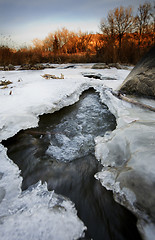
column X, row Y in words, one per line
column 109, row 65
column 47, row 65
column 25, row 67
column 70, row 66
column 32, row 67
column 100, row 66
column 115, row 65
column 11, row 67
column 140, row 80
column 92, row 75
column 97, row 76
column 39, row 66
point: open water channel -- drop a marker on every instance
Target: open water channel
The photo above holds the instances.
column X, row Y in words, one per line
column 60, row 151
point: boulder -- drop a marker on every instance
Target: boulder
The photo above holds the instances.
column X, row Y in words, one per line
column 97, row 76
column 115, row 65
column 140, row 80
column 100, row 66
column 25, row 67
column 39, row 66
column 32, row 67
column 109, row 65
column 11, row 67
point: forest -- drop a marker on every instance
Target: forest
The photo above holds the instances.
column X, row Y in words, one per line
column 123, row 38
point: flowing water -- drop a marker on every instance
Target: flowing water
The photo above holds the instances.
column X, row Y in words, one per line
column 60, row 151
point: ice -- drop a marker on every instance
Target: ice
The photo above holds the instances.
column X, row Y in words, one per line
column 129, row 152
column 74, row 136
column 71, row 148
column 148, row 231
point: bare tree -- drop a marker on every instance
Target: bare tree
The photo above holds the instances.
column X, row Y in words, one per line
column 143, row 18
column 119, row 21
column 153, row 21
column 56, row 44
column 107, row 25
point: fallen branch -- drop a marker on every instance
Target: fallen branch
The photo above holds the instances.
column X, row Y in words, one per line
column 49, row 76
column 142, row 105
column 5, row 82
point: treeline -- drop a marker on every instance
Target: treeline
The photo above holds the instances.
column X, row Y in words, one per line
column 58, row 47
column 124, row 38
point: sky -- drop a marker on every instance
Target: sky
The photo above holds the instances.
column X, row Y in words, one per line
column 21, row 21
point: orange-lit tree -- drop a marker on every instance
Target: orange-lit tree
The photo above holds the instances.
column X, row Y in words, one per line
column 142, row 21
column 119, row 22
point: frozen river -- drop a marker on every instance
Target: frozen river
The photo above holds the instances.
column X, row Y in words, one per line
column 56, row 139
column 60, row 151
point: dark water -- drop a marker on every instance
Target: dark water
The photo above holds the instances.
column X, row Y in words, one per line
column 61, row 152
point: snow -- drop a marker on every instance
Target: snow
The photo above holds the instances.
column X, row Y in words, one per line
column 29, row 96
column 32, row 95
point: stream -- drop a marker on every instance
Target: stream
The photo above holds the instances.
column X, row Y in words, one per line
column 60, row 151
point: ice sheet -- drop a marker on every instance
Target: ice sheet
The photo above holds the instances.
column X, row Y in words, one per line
column 127, row 155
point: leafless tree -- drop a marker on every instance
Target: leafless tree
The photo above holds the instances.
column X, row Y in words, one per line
column 119, row 21
column 143, row 18
column 153, row 21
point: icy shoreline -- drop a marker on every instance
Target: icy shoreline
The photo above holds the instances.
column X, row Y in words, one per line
column 127, row 155
column 33, row 96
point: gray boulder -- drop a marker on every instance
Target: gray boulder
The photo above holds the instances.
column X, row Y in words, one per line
column 100, row 66
column 115, row 65
column 11, row 67
column 109, row 65
column 140, row 80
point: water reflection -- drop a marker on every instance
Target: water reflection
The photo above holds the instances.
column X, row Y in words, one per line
column 61, row 152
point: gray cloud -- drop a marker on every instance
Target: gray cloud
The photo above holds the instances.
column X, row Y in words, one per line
column 33, row 8
column 16, row 14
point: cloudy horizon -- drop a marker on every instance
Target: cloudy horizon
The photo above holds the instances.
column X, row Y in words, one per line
column 22, row 21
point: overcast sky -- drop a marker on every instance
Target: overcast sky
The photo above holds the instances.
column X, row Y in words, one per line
column 25, row 20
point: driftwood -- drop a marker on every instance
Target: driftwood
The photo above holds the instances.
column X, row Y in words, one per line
column 49, row 76
column 5, row 82
column 142, row 105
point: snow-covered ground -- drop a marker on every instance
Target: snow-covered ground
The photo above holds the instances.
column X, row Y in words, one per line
column 29, row 96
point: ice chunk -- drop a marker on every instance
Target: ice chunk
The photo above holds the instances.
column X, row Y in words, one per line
column 70, row 149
